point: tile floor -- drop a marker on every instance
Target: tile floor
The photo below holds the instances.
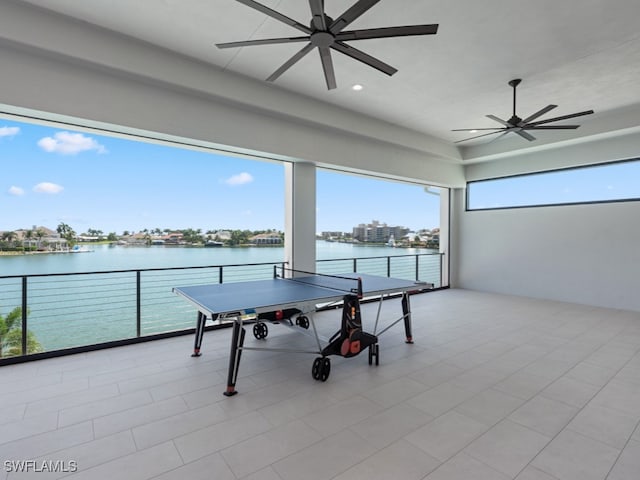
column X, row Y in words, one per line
column 495, row 387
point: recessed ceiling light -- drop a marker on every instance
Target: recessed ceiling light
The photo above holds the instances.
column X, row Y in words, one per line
column 357, row 87
column 473, row 131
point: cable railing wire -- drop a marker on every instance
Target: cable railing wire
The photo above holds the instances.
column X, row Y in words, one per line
column 69, row 310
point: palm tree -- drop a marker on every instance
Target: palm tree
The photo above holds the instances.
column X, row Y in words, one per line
column 67, row 233
column 40, row 233
column 9, row 236
column 28, row 235
column 11, row 335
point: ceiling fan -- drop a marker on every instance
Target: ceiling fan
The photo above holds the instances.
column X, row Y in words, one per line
column 517, row 125
column 326, row 34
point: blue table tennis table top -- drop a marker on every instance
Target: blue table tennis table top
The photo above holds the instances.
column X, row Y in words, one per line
column 280, row 293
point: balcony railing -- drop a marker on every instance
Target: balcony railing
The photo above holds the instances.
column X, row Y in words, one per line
column 71, row 312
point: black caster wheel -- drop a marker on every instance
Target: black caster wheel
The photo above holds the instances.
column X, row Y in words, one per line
column 321, row 369
column 374, row 352
column 260, row 330
column 325, row 369
column 302, row 321
column 315, row 369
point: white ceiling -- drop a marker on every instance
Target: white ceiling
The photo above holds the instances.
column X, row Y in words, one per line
column 577, row 54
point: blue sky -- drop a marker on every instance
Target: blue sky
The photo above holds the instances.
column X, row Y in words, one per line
column 612, row 181
column 52, row 175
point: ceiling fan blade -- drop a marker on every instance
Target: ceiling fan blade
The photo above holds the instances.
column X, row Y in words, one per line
column 273, row 14
column 499, row 136
column 551, row 127
column 388, row 32
column 289, row 63
column 475, row 129
column 499, row 120
column 538, row 114
column 525, row 135
column 564, row 117
column 327, row 67
column 356, row 10
column 479, row 136
column 318, row 17
column 364, row 58
column 266, row 41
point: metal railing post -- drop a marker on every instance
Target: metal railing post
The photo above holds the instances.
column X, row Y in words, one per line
column 417, row 268
column 220, row 274
column 355, row 265
column 138, row 305
column 24, row 315
column 389, row 266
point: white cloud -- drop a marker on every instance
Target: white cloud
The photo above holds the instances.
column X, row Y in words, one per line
column 239, row 179
column 9, row 131
column 47, row 187
column 17, row 191
column 67, row 143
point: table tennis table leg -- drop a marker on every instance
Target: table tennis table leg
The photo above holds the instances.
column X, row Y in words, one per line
column 202, row 319
column 406, row 313
column 237, row 341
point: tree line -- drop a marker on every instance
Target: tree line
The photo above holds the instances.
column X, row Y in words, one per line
column 32, row 239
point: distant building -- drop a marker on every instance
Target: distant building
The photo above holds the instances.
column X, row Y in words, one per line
column 266, row 239
column 41, row 237
column 173, row 238
column 222, row 235
column 332, row 235
column 377, row 232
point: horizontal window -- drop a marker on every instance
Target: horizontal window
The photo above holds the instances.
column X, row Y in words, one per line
column 610, row 182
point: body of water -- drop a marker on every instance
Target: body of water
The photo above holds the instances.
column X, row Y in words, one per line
column 117, row 257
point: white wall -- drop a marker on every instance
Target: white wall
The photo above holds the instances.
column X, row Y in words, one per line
column 586, row 254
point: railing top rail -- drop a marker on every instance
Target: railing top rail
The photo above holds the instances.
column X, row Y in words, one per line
column 132, row 270
column 381, row 256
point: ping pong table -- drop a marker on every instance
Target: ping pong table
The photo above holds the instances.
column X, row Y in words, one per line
column 293, row 293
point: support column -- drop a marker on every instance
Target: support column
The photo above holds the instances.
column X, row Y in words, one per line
column 300, row 216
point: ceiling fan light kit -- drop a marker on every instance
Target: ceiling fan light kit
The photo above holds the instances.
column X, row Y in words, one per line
column 326, row 34
column 519, row 126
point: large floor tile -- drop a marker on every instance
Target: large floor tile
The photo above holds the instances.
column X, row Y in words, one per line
column 262, row 450
column 489, row 406
column 570, row 391
column 508, row 447
column 386, row 463
column 208, row 440
column 604, row 424
column 446, row 435
column 463, row 467
column 325, row 459
column 141, row 465
column 544, row 415
column 571, row 456
column 341, row 415
column 441, row 399
column 390, row 425
column 628, row 464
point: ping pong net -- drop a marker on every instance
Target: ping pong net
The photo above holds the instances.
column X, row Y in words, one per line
column 351, row 285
